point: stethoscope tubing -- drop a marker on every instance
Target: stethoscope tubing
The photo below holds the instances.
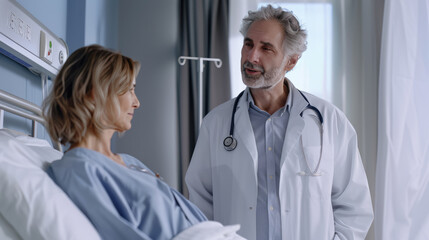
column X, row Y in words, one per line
column 234, row 109
column 230, row 143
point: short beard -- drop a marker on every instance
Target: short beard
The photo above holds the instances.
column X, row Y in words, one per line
column 266, row 80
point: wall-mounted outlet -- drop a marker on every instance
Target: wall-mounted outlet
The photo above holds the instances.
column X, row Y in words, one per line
column 46, row 47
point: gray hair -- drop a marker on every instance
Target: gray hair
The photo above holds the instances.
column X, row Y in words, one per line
column 295, row 41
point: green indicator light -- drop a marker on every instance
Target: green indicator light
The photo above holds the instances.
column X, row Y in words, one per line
column 50, row 44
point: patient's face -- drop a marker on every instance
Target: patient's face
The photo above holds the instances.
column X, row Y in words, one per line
column 128, row 103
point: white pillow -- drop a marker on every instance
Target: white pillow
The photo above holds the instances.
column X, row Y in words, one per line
column 30, row 201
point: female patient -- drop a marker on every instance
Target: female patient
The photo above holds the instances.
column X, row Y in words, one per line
column 93, row 97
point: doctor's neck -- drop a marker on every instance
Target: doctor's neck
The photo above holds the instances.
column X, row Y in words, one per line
column 271, row 99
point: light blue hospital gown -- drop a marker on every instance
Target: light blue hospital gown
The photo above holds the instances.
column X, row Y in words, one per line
column 123, row 203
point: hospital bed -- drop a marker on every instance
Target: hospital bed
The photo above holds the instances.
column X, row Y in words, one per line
column 33, row 207
column 31, row 204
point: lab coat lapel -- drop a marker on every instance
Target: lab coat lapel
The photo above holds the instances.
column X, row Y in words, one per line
column 295, row 125
column 244, row 130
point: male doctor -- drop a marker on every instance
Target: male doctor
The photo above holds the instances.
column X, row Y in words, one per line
column 291, row 169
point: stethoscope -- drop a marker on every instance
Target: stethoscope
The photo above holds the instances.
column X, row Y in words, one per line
column 230, row 143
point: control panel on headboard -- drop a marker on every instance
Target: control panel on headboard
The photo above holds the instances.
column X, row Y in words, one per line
column 27, row 41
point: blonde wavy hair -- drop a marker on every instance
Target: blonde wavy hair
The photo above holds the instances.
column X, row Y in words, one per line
column 84, row 95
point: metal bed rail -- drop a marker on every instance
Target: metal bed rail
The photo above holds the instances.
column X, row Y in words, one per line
column 23, row 108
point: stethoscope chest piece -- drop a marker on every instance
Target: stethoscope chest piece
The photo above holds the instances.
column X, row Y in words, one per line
column 230, row 143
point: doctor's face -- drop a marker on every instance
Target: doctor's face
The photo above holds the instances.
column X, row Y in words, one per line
column 128, row 102
column 263, row 60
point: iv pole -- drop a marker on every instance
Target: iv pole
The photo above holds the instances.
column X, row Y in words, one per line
column 218, row 63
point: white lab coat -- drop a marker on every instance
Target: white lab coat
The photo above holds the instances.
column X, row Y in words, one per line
column 336, row 205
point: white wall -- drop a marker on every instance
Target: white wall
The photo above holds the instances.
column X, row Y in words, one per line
column 148, row 32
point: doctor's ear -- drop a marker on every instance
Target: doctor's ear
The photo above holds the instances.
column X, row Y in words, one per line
column 291, row 62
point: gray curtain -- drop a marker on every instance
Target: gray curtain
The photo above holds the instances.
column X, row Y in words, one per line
column 203, row 30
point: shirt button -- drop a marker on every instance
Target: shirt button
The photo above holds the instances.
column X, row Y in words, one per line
column 269, row 148
column 271, row 208
column 271, row 177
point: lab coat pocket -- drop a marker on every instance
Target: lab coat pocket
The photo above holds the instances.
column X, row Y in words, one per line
column 312, row 159
column 313, row 176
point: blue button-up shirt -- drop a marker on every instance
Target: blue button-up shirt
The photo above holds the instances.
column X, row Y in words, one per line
column 269, row 133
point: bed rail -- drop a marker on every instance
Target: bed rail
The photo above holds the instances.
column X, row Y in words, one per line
column 23, row 108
